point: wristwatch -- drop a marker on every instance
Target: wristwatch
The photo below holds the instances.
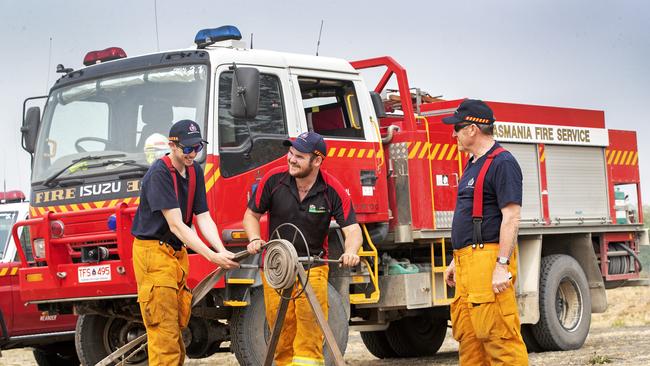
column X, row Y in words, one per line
column 503, row 260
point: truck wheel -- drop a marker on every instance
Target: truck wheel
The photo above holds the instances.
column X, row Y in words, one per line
column 377, row 343
column 57, row 354
column 564, row 304
column 417, row 336
column 97, row 336
column 250, row 332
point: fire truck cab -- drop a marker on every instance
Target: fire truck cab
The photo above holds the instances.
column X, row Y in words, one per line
column 104, row 124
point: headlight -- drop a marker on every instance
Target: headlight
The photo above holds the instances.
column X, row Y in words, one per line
column 57, row 229
column 39, row 248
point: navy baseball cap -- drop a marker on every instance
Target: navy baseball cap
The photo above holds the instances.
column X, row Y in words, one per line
column 186, row 133
column 471, row 111
column 308, row 142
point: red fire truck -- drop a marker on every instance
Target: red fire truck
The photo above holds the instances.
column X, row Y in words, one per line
column 105, row 123
column 51, row 335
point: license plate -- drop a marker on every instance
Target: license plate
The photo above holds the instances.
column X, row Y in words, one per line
column 94, row 273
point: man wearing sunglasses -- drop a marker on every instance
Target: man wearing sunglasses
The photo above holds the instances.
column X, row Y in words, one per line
column 484, row 231
column 172, row 193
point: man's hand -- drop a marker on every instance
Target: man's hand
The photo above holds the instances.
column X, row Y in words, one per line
column 255, row 246
column 223, row 259
column 349, row 259
column 450, row 274
column 500, row 278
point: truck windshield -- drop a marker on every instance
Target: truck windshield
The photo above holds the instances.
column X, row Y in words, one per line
column 126, row 115
column 7, row 220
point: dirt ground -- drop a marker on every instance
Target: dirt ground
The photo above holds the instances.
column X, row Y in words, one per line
column 621, row 336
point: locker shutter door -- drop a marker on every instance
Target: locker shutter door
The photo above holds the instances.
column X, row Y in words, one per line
column 526, row 155
column 577, row 185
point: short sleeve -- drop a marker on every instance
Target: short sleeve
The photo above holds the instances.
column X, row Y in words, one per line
column 159, row 190
column 200, row 204
column 342, row 209
column 508, row 182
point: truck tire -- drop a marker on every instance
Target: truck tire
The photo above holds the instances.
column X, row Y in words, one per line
column 377, row 344
column 57, row 354
column 564, row 304
column 97, row 336
column 532, row 346
column 249, row 330
column 417, row 336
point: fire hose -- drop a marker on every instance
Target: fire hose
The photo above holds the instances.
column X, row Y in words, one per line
column 281, row 268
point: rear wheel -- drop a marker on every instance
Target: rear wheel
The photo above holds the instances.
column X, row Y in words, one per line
column 564, row 304
column 377, row 343
column 57, row 354
column 97, row 336
column 417, row 336
column 250, row 331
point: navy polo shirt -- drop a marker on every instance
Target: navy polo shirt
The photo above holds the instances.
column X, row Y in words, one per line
column 157, row 193
column 277, row 193
column 502, row 186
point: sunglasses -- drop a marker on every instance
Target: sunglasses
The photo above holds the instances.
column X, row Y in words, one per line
column 460, row 126
column 189, row 149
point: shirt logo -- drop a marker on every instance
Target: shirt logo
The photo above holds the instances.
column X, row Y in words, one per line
column 470, row 183
column 313, row 209
column 192, row 127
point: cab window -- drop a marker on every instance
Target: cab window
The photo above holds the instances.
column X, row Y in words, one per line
column 247, row 143
column 331, row 107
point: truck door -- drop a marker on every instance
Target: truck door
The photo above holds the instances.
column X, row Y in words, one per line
column 245, row 148
column 338, row 107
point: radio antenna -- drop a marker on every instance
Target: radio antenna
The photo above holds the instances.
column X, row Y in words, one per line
column 251, row 41
column 155, row 15
column 319, row 35
column 49, row 61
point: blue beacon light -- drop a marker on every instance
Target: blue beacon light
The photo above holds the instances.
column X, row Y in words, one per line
column 206, row 37
column 112, row 222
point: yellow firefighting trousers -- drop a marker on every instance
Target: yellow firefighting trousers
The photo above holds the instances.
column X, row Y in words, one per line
column 165, row 301
column 301, row 340
column 485, row 324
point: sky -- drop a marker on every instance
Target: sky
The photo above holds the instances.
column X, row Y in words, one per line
column 590, row 54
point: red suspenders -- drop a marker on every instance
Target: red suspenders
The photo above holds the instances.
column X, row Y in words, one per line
column 477, row 209
column 191, row 187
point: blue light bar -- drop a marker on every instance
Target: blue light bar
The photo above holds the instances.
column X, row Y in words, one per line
column 206, row 37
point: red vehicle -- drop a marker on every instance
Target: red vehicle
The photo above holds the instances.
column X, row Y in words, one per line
column 49, row 333
column 104, row 124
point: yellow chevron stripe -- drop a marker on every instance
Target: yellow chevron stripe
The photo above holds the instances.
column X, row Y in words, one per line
column 63, row 209
column 611, row 156
column 3, row 271
column 543, row 156
column 331, row 152
column 444, row 150
column 380, row 154
column 208, row 167
column 414, row 150
column 424, row 150
column 341, row 152
column 100, row 204
column 112, row 203
column 607, row 154
column 75, row 207
column 371, row 153
column 624, row 157
column 210, row 183
column 451, row 152
column 618, row 155
column 629, row 158
column 361, row 153
column 433, row 154
column 636, row 156
column 14, row 271
column 137, row 201
column 351, row 153
column 42, row 211
column 127, row 200
column 32, row 211
column 86, row 206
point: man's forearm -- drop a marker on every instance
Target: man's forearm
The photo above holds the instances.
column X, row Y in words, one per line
column 353, row 239
column 508, row 234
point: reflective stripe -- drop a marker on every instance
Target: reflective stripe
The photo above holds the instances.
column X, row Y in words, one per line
column 297, row 360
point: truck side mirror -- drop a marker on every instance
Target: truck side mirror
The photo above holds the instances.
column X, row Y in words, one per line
column 29, row 129
column 380, row 111
column 245, row 92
